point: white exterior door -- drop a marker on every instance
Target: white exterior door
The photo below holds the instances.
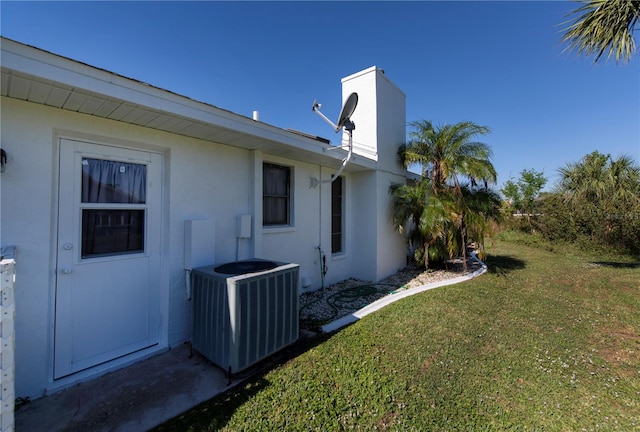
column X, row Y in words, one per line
column 108, row 254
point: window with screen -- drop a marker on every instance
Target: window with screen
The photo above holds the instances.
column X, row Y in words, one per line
column 276, row 195
column 337, row 215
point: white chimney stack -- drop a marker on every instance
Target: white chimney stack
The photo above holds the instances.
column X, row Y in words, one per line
column 256, row 116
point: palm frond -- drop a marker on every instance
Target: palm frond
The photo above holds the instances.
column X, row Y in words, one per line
column 604, row 26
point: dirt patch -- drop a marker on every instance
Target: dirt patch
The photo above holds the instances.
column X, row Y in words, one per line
column 387, row 420
column 621, row 347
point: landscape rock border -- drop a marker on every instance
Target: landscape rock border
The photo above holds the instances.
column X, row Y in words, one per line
column 391, row 298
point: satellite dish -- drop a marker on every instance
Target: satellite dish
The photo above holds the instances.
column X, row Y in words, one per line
column 344, row 121
column 347, row 111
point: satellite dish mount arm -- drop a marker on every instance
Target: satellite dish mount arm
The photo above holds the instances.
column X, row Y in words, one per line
column 347, row 157
column 316, row 109
column 344, row 121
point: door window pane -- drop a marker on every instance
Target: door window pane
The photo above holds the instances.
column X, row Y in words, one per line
column 105, row 181
column 112, row 232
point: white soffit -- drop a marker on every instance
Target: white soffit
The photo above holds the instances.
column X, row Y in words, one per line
column 38, row 76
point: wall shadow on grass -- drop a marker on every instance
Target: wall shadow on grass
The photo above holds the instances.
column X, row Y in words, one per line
column 501, row 265
column 215, row 413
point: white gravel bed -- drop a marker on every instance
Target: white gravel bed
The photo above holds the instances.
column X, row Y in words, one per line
column 345, row 297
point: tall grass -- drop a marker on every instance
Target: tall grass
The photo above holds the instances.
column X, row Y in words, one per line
column 544, row 341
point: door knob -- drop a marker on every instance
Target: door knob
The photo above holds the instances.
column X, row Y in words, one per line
column 67, row 246
column 67, row 270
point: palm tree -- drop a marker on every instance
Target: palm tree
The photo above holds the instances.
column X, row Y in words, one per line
column 623, row 176
column 408, row 203
column 439, row 240
column 472, row 210
column 604, row 26
column 448, row 151
column 444, row 154
column 604, row 194
column 482, row 206
column 423, row 217
column 600, row 178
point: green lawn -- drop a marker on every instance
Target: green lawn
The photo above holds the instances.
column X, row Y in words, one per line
column 544, row 341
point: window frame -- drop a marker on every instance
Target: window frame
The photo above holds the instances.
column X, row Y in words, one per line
column 287, row 196
column 341, row 215
column 112, row 200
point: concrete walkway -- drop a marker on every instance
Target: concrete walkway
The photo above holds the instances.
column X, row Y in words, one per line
column 135, row 398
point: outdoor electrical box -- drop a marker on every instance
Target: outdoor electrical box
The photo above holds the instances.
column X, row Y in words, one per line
column 244, row 226
column 199, row 243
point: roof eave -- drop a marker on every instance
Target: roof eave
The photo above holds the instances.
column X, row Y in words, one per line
column 136, row 102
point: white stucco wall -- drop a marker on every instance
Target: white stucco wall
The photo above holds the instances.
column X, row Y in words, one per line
column 380, row 120
column 363, row 226
column 311, row 227
column 379, row 249
column 391, row 250
column 380, row 117
column 392, row 123
column 202, row 180
column 365, row 118
column 25, row 221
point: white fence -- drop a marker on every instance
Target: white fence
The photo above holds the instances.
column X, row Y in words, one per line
column 7, row 314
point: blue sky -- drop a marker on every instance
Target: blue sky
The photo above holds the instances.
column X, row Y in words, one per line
column 500, row 64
